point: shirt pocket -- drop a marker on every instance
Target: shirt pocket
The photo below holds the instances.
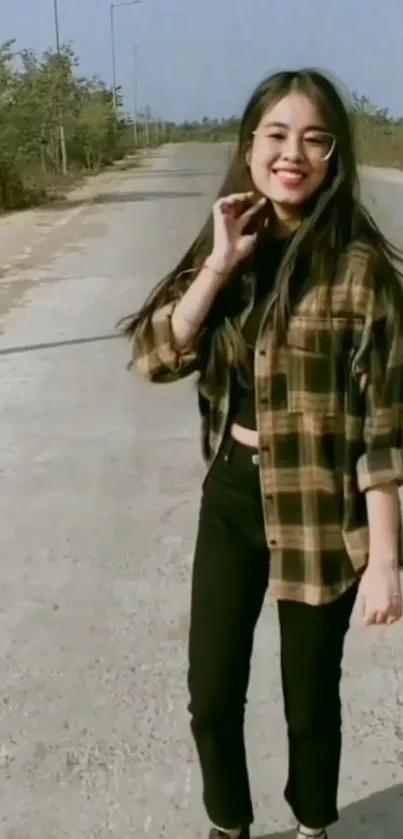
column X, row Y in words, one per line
column 315, row 348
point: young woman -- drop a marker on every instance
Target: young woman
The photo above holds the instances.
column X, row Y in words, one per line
column 289, row 306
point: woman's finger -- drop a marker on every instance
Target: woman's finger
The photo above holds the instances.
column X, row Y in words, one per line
column 395, row 609
column 238, row 197
column 391, row 619
column 237, row 200
column 238, row 205
column 370, row 615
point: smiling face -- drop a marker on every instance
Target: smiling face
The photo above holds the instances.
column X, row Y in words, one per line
column 289, row 155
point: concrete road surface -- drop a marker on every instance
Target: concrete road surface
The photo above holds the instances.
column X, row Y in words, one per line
column 100, row 481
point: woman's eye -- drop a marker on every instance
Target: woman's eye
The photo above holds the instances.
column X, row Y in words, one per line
column 316, row 141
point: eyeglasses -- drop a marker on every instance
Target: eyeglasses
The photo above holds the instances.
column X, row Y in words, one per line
column 316, row 146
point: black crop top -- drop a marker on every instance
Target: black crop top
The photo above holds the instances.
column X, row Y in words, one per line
column 265, row 265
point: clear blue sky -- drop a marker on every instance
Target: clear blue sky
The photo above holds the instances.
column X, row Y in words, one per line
column 203, row 57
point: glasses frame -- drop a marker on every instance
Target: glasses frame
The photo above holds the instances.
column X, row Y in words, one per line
column 325, row 133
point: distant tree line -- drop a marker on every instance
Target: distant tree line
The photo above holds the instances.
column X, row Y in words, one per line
column 379, row 135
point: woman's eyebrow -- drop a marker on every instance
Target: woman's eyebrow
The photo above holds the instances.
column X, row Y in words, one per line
column 284, row 125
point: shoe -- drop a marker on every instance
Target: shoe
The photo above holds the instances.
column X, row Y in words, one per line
column 221, row 834
column 302, row 835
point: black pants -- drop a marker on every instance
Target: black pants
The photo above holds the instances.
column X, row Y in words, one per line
column 230, row 578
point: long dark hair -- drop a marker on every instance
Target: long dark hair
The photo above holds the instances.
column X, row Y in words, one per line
column 333, row 219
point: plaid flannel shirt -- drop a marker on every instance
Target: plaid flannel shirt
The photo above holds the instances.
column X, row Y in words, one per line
column 330, row 423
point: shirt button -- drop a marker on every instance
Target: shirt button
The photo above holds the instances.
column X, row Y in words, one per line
column 262, row 352
column 264, row 402
column 269, row 497
column 273, row 543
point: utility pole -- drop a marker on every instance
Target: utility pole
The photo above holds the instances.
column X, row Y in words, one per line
column 114, row 6
column 135, row 97
column 61, row 123
column 147, row 115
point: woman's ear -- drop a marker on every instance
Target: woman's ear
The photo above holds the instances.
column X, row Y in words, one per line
column 248, row 153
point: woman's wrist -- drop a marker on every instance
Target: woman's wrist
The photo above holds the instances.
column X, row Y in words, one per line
column 383, row 559
column 383, row 506
column 218, row 264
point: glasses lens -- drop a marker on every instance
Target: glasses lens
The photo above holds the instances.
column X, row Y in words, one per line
column 319, row 145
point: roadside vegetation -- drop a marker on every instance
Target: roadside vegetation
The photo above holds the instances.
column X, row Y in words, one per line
column 38, row 95
column 41, row 94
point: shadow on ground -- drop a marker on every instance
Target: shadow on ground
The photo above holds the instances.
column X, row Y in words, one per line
column 131, row 197
column 177, row 173
column 380, row 816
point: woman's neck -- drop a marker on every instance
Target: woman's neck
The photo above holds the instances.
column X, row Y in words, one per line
column 282, row 228
column 284, row 222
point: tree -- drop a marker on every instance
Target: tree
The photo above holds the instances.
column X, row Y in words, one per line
column 36, row 94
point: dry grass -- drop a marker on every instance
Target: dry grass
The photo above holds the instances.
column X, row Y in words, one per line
column 380, row 143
